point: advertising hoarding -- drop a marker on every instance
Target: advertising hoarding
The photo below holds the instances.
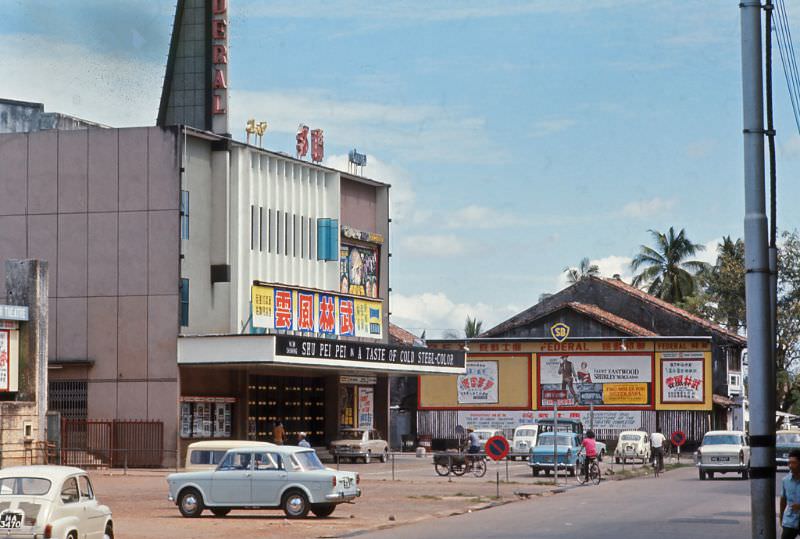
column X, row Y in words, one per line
column 682, row 377
column 479, row 384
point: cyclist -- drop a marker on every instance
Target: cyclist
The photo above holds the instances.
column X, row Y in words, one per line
column 589, row 446
column 474, row 442
column 657, row 444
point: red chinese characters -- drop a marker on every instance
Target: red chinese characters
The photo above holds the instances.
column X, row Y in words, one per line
column 327, row 314
column 346, row 317
column 283, row 309
column 317, row 145
column 302, row 140
column 305, row 311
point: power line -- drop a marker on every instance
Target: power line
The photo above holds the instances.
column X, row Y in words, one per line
column 783, row 36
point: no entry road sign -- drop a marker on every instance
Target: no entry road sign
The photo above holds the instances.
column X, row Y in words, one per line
column 497, row 447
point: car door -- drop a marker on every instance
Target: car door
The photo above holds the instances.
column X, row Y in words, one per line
column 230, row 482
column 269, row 477
column 95, row 518
column 71, row 506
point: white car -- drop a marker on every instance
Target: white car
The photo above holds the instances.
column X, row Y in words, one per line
column 364, row 444
column 632, row 445
column 723, row 451
column 51, row 501
column 524, row 439
column 281, row 477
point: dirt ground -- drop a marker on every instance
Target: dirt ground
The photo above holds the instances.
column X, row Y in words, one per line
column 141, row 509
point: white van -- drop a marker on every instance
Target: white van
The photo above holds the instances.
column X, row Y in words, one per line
column 524, row 438
column 205, row 455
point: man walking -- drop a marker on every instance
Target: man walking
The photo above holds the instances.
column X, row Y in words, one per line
column 790, row 498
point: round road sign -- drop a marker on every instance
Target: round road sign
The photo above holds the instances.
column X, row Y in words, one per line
column 678, row 438
column 497, row 447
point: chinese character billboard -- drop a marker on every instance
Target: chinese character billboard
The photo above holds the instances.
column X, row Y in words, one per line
column 682, row 380
column 479, row 384
column 315, row 313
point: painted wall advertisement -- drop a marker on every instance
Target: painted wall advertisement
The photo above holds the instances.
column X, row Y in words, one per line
column 682, row 377
column 5, row 361
column 358, row 271
column 601, row 419
column 608, row 380
column 479, row 384
column 315, row 312
column 495, row 419
column 511, row 419
column 366, row 407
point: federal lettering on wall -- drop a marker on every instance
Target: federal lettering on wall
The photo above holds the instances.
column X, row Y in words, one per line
column 610, row 380
column 479, row 384
column 312, row 312
column 219, row 66
column 682, row 377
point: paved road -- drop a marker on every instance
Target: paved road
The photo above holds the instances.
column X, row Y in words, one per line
column 675, row 505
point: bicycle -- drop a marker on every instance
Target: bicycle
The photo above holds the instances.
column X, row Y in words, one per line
column 657, row 463
column 593, row 473
column 460, row 464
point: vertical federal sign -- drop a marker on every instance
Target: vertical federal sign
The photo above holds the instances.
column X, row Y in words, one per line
column 219, row 66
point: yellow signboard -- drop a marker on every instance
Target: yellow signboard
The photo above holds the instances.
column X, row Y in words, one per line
column 635, row 393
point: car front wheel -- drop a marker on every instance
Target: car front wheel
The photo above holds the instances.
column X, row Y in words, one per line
column 323, row 510
column 109, row 533
column 220, row 511
column 385, row 456
column 190, row 503
column 295, row 504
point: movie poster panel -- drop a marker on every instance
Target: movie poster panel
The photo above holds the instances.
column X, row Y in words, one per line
column 358, row 271
column 607, row 380
column 682, row 379
column 479, row 384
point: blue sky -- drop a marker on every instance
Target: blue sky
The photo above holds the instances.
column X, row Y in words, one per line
column 519, row 136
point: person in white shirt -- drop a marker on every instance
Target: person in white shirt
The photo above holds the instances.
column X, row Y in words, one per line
column 302, row 442
column 657, row 444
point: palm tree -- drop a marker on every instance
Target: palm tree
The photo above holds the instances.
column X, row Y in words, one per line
column 472, row 327
column 584, row 269
column 666, row 273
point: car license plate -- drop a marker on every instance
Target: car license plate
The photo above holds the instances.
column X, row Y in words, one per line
column 720, row 459
column 11, row 519
column 347, row 482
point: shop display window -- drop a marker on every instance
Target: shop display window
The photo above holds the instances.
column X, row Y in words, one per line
column 206, row 417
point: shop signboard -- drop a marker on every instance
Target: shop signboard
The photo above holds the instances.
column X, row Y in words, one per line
column 495, row 419
column 366, row 407
column 5, row 361
column 603, row 419
column 682, row 377
column 333, row 353
column 314, row 312
column 479, row 384
column 599, row 379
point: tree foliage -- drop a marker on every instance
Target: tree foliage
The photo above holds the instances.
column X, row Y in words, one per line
column 665, row 270
column 584, row 269
column 472, row 327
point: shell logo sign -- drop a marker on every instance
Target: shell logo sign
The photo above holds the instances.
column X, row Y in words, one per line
column 560, row 331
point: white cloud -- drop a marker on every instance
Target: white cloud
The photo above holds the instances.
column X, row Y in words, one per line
column 481, row 217
column 422, row 132
column 436, row 313
column 548, row 127
column 649, row 207
column 709, row 254
column 72, row 79
column 433, row 245
column 791, row 148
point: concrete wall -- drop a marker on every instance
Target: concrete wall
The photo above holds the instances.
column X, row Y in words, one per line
column 102, row 207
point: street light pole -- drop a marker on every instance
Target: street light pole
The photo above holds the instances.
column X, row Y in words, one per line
column 759, row 340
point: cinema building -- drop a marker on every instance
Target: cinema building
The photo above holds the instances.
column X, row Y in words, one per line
column 624, row 359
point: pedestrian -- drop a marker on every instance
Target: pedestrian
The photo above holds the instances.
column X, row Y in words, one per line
column 301, row 440
column 278, row 432
column 474, row 442
column 790, row 498
column 657, row 448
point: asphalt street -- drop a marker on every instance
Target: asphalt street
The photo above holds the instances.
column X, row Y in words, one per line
column 677, row 504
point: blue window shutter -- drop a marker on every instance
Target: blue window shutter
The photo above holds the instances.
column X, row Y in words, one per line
column 333, row 238
column 322, row 238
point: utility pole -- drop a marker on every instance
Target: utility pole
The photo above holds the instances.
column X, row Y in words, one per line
column 759, row 324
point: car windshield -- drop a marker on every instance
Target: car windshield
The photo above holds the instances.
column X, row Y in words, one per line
column 352, row 435
column 631, row 437
column 789, row 438
column 309, row 460
column 526, row 432
column 548, row 440
column 24, row 486
column 722, row 439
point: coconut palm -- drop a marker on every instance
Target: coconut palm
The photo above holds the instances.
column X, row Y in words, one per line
column 472, row 327
column 584, row 269
column 665, row 271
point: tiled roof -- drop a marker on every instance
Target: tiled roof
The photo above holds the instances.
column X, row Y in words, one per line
column 612, row 320
column 398, row 335
column 644, row 296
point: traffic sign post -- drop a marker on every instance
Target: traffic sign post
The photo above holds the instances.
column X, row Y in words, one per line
column 496, row 449
column 678, row 438
column 554, row 395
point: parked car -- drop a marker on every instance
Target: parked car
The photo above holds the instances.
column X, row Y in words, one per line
column 723, row 451
column 567, row 446
column 785, row 441
column 485, row 434
column 632, row 445
column 571, row 425
column 281, row 477
column 360, row 444
column 524, row 438
column 207, row 454
column 51, row 501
